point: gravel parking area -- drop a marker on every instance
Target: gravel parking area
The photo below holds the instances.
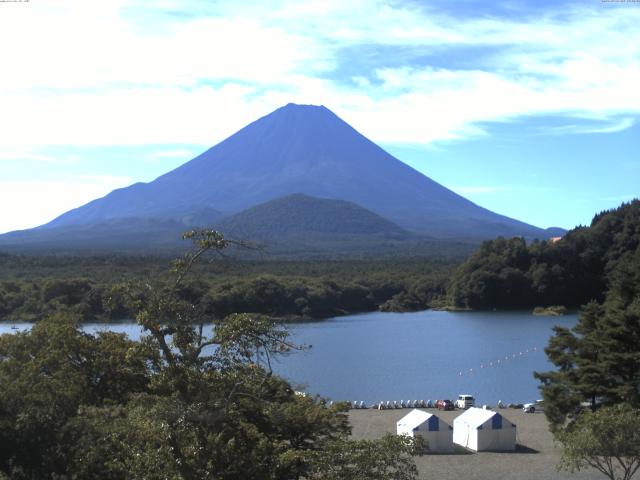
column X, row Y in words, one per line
column 535, row 458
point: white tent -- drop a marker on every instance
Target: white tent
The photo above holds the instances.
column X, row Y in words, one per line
column 478, row 429
column 437, row 432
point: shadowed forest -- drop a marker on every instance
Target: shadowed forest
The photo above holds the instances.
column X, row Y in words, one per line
column 502, row 274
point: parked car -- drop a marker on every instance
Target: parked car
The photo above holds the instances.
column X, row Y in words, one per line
column 465, row 401
column 537, row 406
column 444, row 405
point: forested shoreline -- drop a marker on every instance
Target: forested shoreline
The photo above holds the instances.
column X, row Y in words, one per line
column 34, row 287
column 572, row 271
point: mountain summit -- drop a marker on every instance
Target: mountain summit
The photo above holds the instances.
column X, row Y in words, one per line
column 300, row 149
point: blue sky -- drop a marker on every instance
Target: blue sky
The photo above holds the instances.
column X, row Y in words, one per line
column 530, row 109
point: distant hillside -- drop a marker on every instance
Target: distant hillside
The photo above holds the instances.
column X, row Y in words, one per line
column 302, row 215
column 127, row 234
column 134, row 235
column 294, row 227
column 554, row 232
column 508, row 273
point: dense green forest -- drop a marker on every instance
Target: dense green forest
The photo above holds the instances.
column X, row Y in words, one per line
column 32, row 287
column 592, row 399
column 177, row 404
column 509, row 273
column 598, row 360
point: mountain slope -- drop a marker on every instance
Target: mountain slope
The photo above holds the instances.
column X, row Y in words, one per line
column 302, row 149
column 140, row 235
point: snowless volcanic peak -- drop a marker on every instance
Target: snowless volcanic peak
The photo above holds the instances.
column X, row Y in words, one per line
column 302, row 149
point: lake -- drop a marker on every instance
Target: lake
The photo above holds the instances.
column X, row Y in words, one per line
column 420, row 355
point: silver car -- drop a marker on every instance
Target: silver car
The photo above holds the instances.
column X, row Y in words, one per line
column 537, row 406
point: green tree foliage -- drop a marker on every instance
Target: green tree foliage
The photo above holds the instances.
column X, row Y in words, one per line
column 508, row 273
column 386, row 459
column 93, row 287
column 607, row 440
column 179, row 404
column 46, row 375
column 599, row 359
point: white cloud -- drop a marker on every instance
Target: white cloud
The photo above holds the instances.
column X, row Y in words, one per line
column 176, row 153
column 42, row 201
column 74, row 47
column 107, row 77
column 29, row 156
column 608, row 127
column 124, row 72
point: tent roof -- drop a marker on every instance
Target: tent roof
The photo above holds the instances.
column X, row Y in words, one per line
column 474, row 417
column 415, row 418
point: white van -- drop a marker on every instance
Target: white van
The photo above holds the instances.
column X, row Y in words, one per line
column 465, row 401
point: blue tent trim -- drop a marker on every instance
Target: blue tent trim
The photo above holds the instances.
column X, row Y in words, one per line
column 496, row 421
column 434, row 424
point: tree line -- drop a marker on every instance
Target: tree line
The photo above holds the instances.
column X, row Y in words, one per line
column 592, row 398
column 509, row 273
column 31, row 289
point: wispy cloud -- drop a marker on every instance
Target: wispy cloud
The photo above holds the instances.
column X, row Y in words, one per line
column 609, row 126
column 61, row 194
column 146, row 72
column 171, row 154
column 31, row 156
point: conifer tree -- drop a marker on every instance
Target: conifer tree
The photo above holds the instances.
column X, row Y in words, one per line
column 598, row 361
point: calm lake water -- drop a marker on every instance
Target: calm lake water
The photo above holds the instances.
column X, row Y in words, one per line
column 422, row 355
